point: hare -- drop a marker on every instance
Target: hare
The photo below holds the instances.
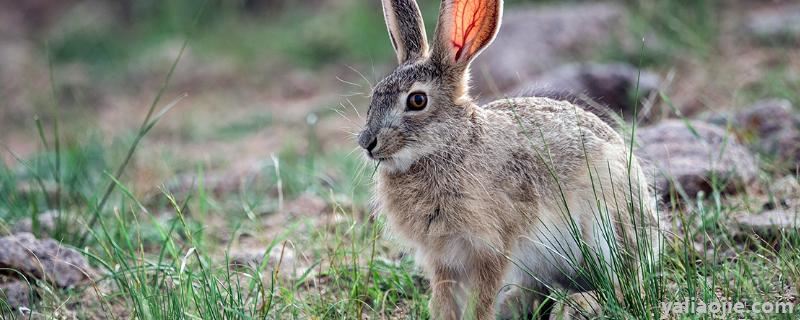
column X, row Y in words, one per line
column 500, row 203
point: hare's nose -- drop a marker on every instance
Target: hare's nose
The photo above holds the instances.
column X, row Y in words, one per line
column 372, row 145
column 368, row 141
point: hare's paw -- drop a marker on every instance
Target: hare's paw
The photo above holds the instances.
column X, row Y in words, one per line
column 582, row 305
column 443, row 311
column 516, row 303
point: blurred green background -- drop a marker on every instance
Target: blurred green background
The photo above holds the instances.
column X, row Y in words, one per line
column 256, row 144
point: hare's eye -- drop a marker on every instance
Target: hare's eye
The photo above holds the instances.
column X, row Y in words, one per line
column 417, row 101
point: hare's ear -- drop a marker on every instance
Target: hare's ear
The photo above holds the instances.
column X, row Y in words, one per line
column 406, row 29
column 465, row 28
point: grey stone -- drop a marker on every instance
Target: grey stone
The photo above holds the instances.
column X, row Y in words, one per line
column 785, row 191
column 17, row 294
column 694, row 158
column 772, row 127
column 768, row 225
column 43, row 259
column 600, row 88
column 533, row 39
column 767, row 117
column 777, row 25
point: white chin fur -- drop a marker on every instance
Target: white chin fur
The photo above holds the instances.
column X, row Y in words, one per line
column 400, row 161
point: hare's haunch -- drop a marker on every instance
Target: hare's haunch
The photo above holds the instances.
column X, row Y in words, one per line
column 504, row 202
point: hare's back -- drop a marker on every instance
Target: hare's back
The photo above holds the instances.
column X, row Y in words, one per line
column 564, row 138
column 555, row 134
column 563, row 121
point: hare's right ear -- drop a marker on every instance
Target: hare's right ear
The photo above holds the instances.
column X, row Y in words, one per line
column 406, row 29
column 466, row 27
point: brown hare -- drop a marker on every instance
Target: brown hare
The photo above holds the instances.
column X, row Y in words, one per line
column 504, row 202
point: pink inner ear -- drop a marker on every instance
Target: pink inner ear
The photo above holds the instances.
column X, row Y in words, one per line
column 468, row 15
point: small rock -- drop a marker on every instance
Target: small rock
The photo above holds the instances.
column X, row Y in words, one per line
column 773, row 129
column 17, row 294
column 606, row 85
column 786, row 145
column 48, row 223
column 767, row 117
column 767, row 225
column 43, row 259
column 786, row 191
column 777, row 25
column 535, row 38
column 694, row 161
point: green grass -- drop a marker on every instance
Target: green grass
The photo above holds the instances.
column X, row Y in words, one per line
column 166, row 265
column 163, row 260
column 670, row 29
column 349, row 31
column 160, row 266
column 775, row 83
column 682, row 24
column 243, row 127
column 167, row 256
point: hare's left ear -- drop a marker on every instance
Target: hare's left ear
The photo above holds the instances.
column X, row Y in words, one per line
column 406, row 29
column 466, row 27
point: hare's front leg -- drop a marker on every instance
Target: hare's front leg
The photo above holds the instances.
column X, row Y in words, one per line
column 486, row 278
column 445, row 288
